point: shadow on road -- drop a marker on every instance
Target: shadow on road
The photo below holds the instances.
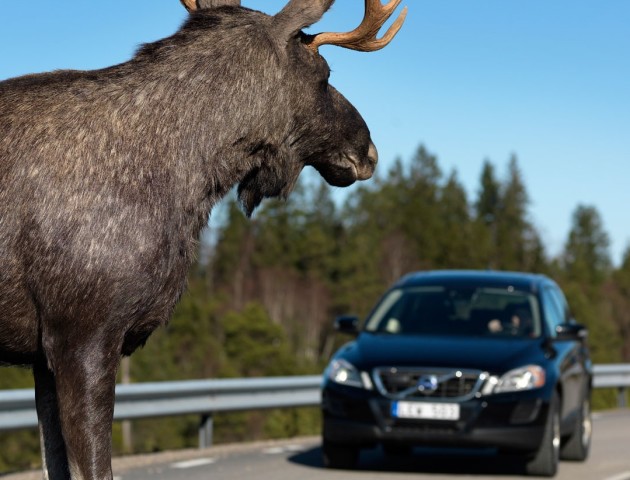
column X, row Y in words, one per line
column 424, row 460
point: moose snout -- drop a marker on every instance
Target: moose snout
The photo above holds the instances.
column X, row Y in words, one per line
column 367, row 167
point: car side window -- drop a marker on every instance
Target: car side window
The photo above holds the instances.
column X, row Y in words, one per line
column 561, row 301
column 554, row 313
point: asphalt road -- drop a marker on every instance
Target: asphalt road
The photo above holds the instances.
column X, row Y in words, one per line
column 301, row 460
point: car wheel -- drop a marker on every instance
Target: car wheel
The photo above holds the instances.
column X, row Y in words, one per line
column 546, row 459
column 336, row 455
column 578, row 445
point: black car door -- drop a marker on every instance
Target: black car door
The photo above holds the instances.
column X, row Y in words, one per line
column 570, row 353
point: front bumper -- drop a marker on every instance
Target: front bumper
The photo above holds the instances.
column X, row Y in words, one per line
column 512, row 422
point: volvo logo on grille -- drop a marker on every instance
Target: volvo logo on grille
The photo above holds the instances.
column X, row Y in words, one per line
column 427, row 383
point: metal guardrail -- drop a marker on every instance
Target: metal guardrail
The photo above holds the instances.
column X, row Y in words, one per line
column 199, row 397
column 205, row 397
column 616, row 375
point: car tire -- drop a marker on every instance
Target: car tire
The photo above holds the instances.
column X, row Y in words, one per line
column 339, row 456
column 578, row 445
column 545, row 461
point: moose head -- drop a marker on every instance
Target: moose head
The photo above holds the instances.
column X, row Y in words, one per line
column 316, row 125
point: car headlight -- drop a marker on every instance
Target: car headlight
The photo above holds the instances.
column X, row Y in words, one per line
column 343, row 372
column 517, row 380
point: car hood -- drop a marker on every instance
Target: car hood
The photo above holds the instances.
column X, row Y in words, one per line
column 492, row 355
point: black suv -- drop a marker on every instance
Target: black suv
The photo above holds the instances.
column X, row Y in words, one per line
column 462, row 359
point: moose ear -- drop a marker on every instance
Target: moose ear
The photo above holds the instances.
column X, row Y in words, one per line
column 299, row 14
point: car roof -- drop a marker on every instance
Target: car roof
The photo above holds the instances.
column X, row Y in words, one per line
column 530, row 282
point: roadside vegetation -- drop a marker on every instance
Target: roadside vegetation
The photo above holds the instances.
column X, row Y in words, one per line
column 262, row 297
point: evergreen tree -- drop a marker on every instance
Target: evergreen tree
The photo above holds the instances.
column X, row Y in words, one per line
column 586, row 264
column 423, row 225
column 318, row 233
column 512, row 224
column 232, row 258
column 457, row 246
column 254, row 345
column 503, row 230
column 618, row 295
column 485, row 226
column 586, row 254
column 489, row 194
column 277, row 231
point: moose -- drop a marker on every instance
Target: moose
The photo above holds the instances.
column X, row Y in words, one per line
column 107, row 178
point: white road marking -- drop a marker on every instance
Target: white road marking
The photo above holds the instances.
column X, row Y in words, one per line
column 198, row 462
column 285, row 449
column 274, row 450
column 295, row 448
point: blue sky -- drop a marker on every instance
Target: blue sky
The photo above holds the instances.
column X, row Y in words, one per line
column 546, row 80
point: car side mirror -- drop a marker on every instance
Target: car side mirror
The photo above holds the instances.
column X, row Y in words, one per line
column 347, row 324
column 571, row 331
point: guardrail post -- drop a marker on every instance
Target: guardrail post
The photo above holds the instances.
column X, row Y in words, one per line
column 205, row 431
column 621, row 397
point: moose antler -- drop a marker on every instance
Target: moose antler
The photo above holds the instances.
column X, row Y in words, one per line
column 189, row 4
column 192, row 5
column 363, row 38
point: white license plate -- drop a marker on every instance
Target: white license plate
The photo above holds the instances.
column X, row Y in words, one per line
column 426, row 411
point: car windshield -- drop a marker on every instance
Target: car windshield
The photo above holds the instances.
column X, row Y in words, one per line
column 457, row 311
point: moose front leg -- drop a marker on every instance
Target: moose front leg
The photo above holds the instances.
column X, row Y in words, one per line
column 54, row 457
column 85, row 380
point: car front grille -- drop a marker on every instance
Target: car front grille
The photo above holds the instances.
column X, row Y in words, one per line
column 418, row 383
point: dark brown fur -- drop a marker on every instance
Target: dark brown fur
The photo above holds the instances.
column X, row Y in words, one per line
column 107, row 178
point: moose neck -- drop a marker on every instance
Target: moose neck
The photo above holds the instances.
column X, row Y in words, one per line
column 209, row 121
